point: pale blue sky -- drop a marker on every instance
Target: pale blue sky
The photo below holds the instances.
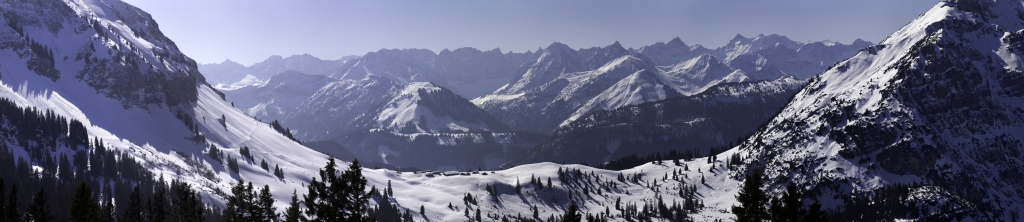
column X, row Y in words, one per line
column 248, row 31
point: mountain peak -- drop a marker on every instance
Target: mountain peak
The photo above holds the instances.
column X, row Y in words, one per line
column 845, row 115
column 557, row 45
column 677, row 42
column 615, row 44
column 737, row 38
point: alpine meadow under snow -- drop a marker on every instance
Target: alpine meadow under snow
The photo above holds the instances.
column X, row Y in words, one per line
column 102, row 118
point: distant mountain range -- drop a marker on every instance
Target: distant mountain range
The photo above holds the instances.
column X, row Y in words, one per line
column 534, row 93
column 924, row 126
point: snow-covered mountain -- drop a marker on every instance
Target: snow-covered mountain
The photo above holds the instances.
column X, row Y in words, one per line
column 224, row 74
column 422, row 107
column 699, row 73
column 377, row 115
column 332, row 110
column 279, row 96
column 467, row 71
column 107, row 65
column 564, row 84
column 673, row 52
column 770, row 56
column 937, row 106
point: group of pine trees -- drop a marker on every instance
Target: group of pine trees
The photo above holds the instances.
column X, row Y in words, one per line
column 178, row 202
column 756, row 205
column 284, row 131
column 63, row 163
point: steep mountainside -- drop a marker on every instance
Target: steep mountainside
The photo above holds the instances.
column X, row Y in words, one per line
column 713, row 118
column 699, row 73
column 332, row 110
column 544, row 106
column 937, row 106
column 106, row 65
column 429, row 127
column 423, row 107
column 279, row 96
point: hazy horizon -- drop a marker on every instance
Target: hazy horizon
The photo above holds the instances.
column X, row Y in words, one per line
column 212, row 31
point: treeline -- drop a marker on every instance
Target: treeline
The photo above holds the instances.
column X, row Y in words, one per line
column 756, row 205
column 628, row 162
column 336, row 196
column 63, row 162
column 284, row 131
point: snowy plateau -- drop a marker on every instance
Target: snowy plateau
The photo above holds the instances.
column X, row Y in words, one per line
column 924, row 126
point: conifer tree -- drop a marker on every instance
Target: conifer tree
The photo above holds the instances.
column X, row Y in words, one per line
column 83, row 207
column 518, row 187
column 39, row 210
column 338, row 197
column 792, row 209
column 133, row 212
column 267, row 211
column 158, row 204
column 238, row 204
column 423, row 211
column 293, row 213
column 391, row 192
column 572, row 214
column 3, row 203
column 187, row 205
column 814, row 214
column 752, row 199
column 107, row 212
column 12, row 212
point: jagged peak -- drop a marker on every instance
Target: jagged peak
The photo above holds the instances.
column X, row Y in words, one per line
column 677, row 42
column 737, row 38
column 557, row 45
column 615, row 44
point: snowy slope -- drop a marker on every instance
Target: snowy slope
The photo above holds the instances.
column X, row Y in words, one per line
column 771, row 56
column 429, row 127
column 423, row 107
column 697, row 74
column 332, row 110
column 639, row 87
column 278, row 97
column 543, row 108
column 937, row 103
column 142, row 123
